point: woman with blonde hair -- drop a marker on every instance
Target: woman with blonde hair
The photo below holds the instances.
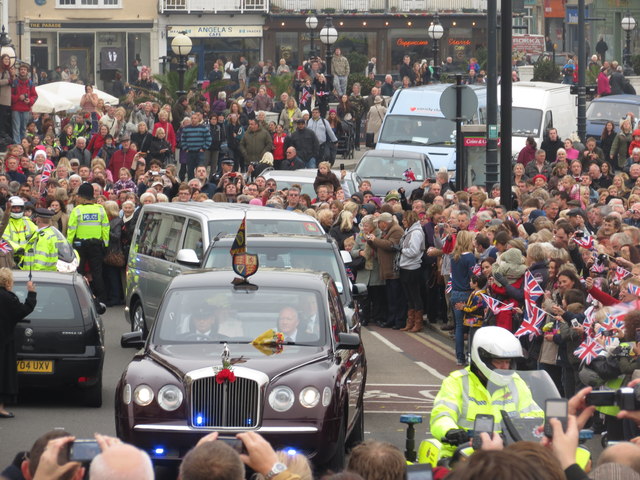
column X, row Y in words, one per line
column 289, row 116
column 343, row 227
column 462, row 263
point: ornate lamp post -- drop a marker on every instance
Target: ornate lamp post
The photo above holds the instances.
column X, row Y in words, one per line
column 435, row 32
column 628, row 25
column 6, row 47
column 181, row 47
column 328, row 36
column 311, row 22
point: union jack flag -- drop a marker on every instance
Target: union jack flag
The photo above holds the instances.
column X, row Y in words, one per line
column 588, row 350
column 585, row 242
column 321, row 93
column 588, row 318
column 305, row 96
column 597, row 267
column 496, row 306
column 620, row 274
column 409, row 176
column 634, row 289
column 448, row 288
column 532, row 289
column 5, row 247
column 615, row 316
column 531, row 325
column 476, row 270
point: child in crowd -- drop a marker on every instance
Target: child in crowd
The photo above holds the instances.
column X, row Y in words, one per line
column 474, row 308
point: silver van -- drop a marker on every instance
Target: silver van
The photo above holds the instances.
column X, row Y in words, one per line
column 165, row 229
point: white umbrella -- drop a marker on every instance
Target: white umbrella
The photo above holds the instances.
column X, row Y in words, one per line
column 74, row 91
column 48, row 102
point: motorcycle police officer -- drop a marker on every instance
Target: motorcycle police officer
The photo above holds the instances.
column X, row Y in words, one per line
column 465, row 393
column 20, row 228
column 45, row 246
column 88, row 232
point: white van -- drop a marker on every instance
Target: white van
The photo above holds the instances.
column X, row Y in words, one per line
column 539, row 106
column 414, row 122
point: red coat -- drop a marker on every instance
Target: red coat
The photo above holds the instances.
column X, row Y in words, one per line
column 169, row 132
column 23, row 87
column 120, row 159
column 95, row 144
column 505, row 318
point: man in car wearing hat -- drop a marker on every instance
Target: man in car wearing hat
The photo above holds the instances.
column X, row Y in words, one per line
column 88, row 232
column 42, row 248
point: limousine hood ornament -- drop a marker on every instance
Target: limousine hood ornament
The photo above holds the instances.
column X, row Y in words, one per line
column 225, row 373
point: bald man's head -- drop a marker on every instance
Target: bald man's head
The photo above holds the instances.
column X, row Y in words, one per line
column 625, row 453
column 121, row 462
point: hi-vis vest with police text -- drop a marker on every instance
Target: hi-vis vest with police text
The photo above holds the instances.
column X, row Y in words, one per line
column 41, row 251
column 462, row 396
column 88, row 221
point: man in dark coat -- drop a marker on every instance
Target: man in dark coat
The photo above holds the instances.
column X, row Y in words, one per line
column 13, row 312
column 551, row 144
column 306, row 144
column 293, row 161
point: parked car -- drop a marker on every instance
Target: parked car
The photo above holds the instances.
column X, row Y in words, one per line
column 385, row 169
column 305, row 177
column 305, row 394
column 165, row 228
column 610, row 108
column 62, row 345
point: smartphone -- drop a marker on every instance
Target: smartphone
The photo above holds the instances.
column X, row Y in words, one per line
column 83, row 451
column 575, row 323
column 142, row 154
column 608, row 333
column 579, row 234
column 483, row 423
column 342, row 166
column 555, row 408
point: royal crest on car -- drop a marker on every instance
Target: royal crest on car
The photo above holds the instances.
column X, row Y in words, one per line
column 245, row 264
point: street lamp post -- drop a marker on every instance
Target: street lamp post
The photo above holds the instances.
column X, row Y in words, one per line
column 435, row 32
column 181, row 46
column 311, row 23
column 328, row 36
column 628, row 25
column 6, row 47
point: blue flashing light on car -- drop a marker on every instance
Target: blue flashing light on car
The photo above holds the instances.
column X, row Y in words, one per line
column 158, row 451
column 291, row 451
column 199, row 420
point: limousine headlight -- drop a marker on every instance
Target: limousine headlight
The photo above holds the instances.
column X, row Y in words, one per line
column 170, row 398
column 281, row 399
column 143, row 395
column 309, row 397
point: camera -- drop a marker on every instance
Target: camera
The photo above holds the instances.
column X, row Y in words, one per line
column 163, row 171
column 608, row 333
column 602, row 258
column 232, row 174
column 627, row 398
column 579, row 234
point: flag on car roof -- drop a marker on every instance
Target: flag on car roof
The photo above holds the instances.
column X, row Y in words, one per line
column 240, row 242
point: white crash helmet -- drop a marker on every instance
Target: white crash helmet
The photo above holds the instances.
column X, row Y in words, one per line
column 491, row 343
column 17, row 202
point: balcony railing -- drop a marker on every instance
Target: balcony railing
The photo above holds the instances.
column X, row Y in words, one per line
column 379, row 6
column 213, row 6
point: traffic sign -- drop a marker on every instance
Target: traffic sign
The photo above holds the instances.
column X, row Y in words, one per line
column 448, row 102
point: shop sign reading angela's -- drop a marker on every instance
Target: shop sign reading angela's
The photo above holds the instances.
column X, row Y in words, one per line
column 213, row 31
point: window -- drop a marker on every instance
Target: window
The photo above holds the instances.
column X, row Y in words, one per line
column 89, row 3
column 160, row 235
column 193, row 238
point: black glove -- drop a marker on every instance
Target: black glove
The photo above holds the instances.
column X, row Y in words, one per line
column 456, row 436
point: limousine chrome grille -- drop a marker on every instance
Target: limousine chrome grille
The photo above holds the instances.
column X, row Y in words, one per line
column 230, row 405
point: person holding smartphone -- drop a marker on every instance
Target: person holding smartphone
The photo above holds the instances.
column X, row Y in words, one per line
column 466, row 393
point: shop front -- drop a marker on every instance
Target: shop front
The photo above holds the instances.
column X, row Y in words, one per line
column 220, row 42
column 90, row 53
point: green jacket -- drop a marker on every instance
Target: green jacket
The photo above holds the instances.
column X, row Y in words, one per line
column 255, row 144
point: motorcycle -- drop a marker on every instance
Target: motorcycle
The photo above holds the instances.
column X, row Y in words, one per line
column 512, row 426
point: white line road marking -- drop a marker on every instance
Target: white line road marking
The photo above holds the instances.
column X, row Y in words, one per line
column 396, row 412
column 393, row 347
column 431, row 370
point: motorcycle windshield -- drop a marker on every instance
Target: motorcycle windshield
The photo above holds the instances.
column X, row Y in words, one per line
column 65, row 250
column 538, row 381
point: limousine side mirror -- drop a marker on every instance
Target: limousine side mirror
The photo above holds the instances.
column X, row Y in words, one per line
column 359, row 291
column 100, row 308
column 188, row 257
column 348, row 341
column 132, row 340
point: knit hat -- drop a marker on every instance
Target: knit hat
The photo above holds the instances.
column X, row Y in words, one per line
column 392, row 196
column 86, row 191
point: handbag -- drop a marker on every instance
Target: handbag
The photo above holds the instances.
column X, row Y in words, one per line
column 114, row 258
column 369, row 140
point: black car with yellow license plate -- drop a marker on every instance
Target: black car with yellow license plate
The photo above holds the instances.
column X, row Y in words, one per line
column 213, row 362
column 61, row 343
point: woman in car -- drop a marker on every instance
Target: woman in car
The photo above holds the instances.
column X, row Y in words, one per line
column 14, row 312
